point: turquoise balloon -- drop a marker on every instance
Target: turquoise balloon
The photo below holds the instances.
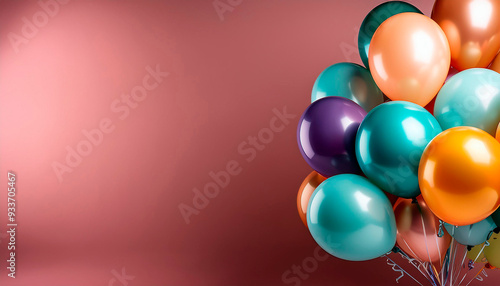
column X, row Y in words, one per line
column 470, row 98
column 390, row 142
column 352, row 219
column 348, row 80
column 373, row 20
column 473, row 234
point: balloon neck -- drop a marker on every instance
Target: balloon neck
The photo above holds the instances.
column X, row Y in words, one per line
column 396, row 249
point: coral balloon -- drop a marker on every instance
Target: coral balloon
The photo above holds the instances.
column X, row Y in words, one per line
column 418, row 231
column 348, row 80
column 458, row 175
column 307, row 188
column 352, row 219
column 326, row 135
column 492, row 252
column 409, row 58
column 470, row 98
column 472, row 28
column 373, row 20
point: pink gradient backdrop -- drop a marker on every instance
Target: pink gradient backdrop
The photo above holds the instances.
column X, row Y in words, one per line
column 119, row 207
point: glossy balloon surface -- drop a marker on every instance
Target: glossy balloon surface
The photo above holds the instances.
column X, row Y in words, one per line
column 418, row 231
column 459, row 175
column 326, row 135
column 409, row 58
column 310, row 183
column 351, row 218
column 470, row 98
column 390, row 142
column 373, row 20
column 348, row 80
column 472, row 234
column 472, row 28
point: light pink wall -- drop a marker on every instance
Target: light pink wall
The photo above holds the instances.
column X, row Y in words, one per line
column 118, row 209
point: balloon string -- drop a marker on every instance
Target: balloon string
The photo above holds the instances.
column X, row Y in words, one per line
column 449, row 261
column 487, row 243
column 453, row 255
column 475, row 275
column 431, row 274
column 454, row 265
column 414, row 262
column 399, row 269
column 445, row 266
column 461, row 266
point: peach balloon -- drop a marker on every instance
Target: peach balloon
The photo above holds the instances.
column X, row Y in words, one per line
column 308, row 186
column 409, row 58
column 472, row 28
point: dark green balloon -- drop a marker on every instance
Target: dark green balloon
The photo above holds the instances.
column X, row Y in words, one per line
column 351, row 81
column 373, row 20
column 496, row 217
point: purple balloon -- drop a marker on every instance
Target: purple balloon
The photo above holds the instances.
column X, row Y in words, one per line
column 327, row 133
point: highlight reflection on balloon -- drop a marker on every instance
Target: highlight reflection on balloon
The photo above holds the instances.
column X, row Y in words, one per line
column 373, row 20
column 348, row 80
column 470, row 98
column 307, row 188
column 459, row 175
column 472, row 28
column 326, row 135
column 409, row 58
column 418, row 231
column 352, row 219
column 390, row 142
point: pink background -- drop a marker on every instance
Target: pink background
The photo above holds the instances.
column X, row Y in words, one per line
column 119, row 208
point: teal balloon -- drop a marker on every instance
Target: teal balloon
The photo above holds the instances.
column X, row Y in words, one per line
column 374, row 19
column 352, row 219
column 470, row 98
column 351, row 81
column 390, row 142
column 473, row 234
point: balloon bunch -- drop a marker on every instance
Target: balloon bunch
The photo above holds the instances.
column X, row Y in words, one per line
column 404, row 152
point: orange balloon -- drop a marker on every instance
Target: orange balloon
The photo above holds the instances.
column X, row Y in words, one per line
column 308, row 186
column 418, row 231
column 472, row 28
column 459, row 175
column 409, row 58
